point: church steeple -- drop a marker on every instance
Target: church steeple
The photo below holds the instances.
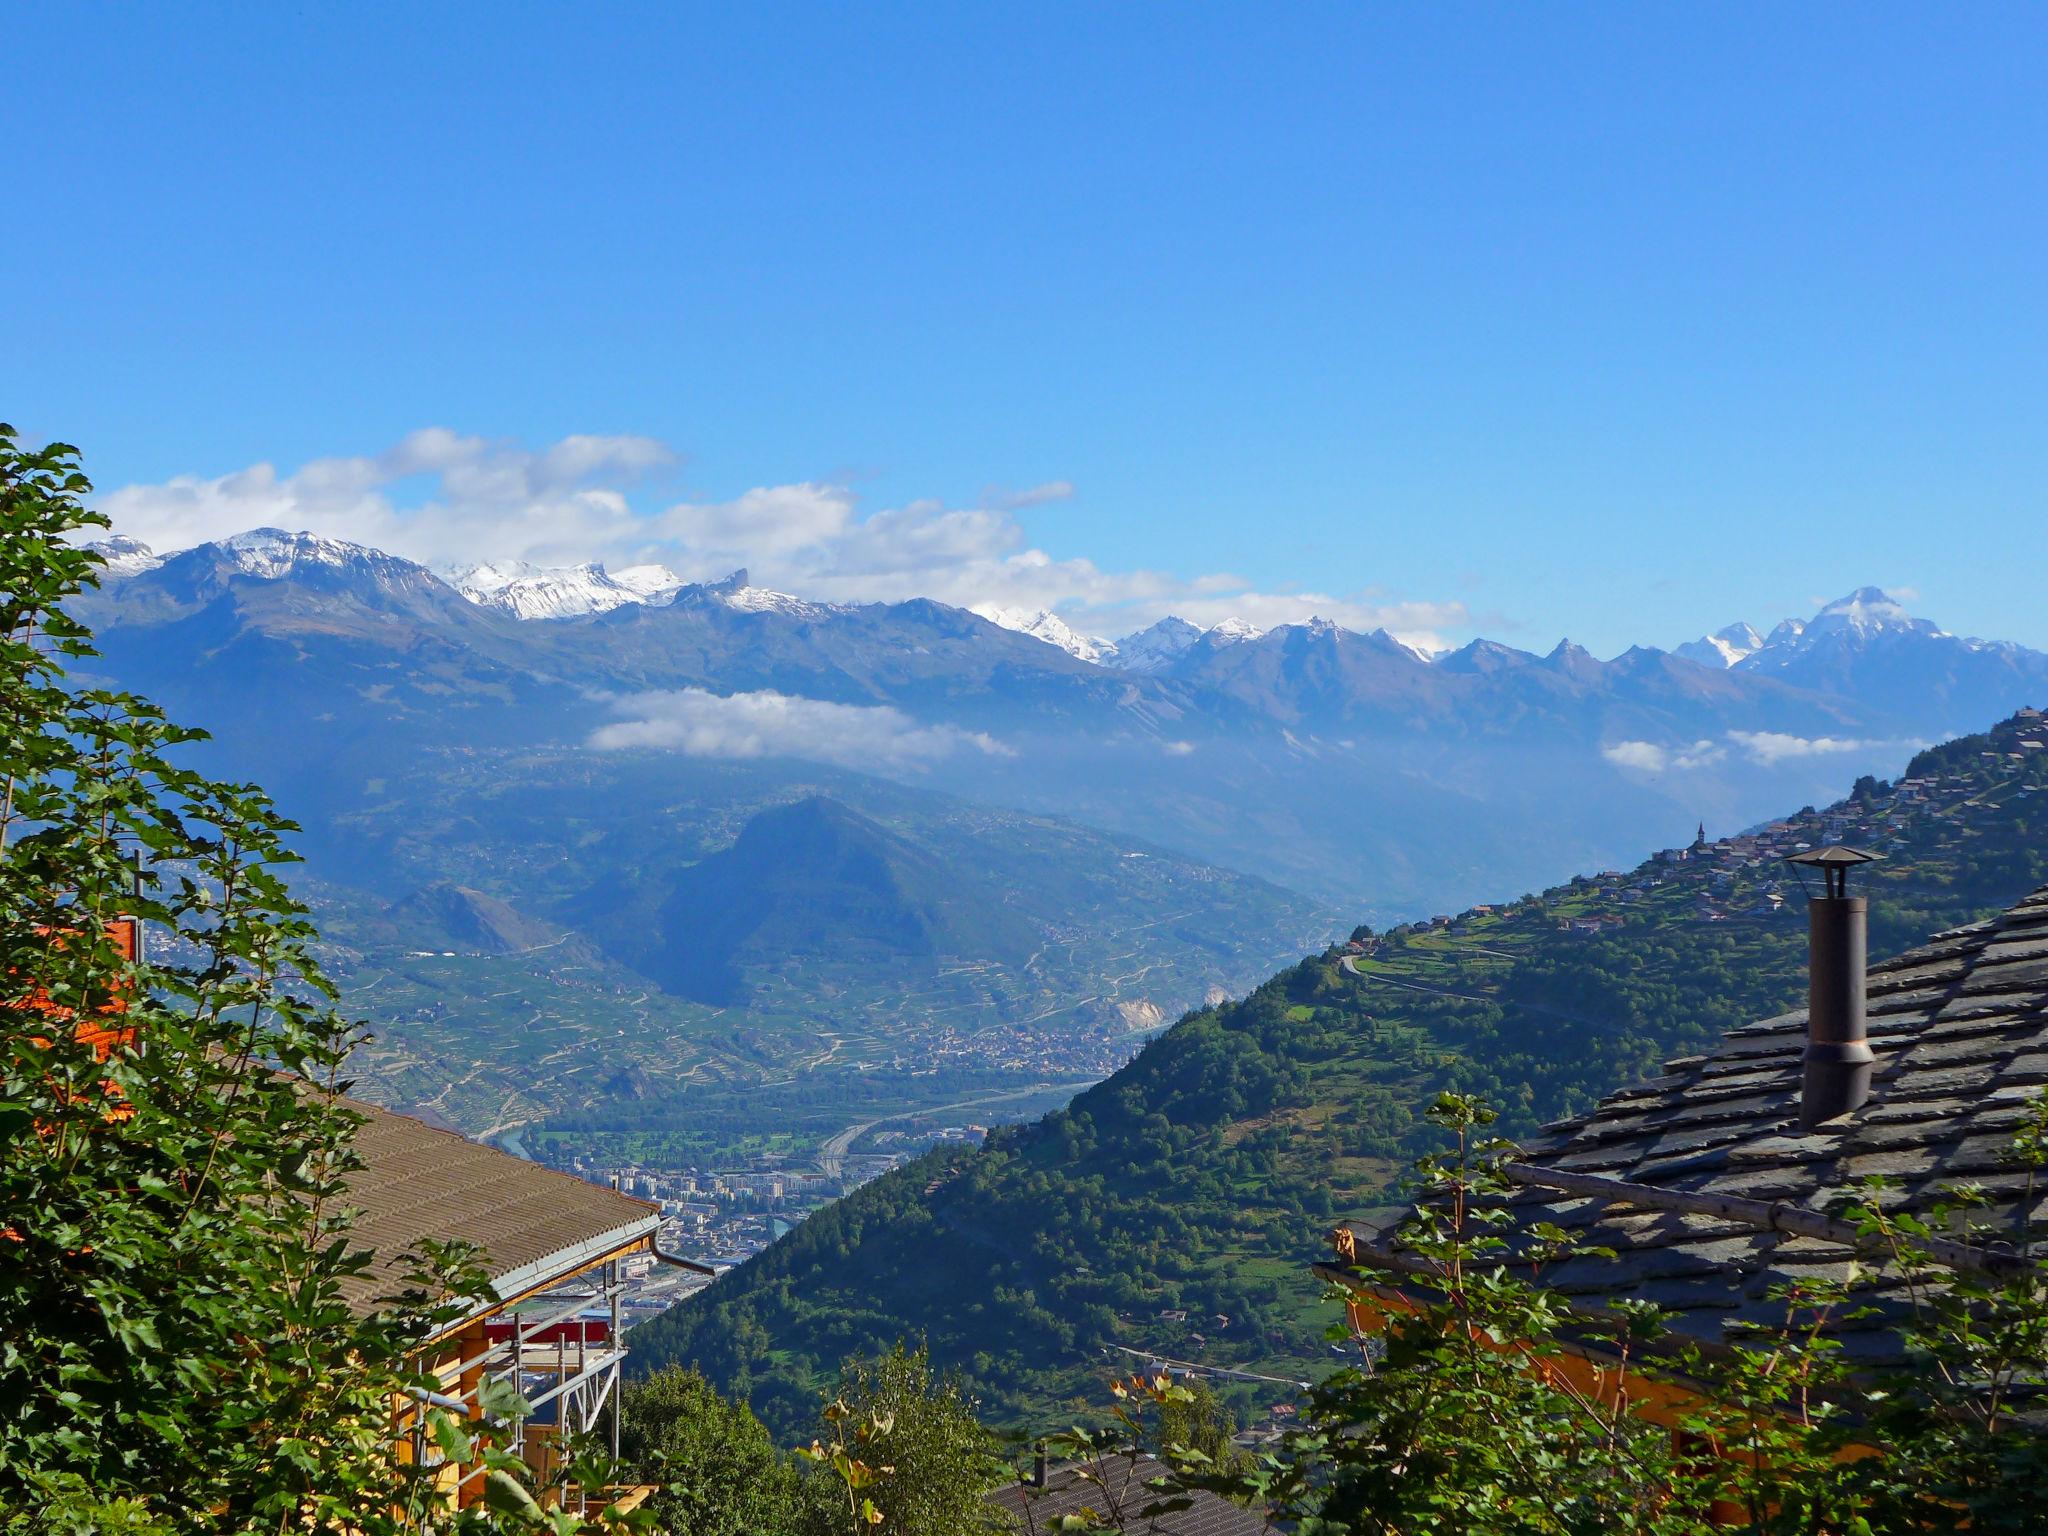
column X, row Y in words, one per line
column 1701, row 840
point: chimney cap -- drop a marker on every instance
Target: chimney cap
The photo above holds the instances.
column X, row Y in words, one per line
column 1835, row 856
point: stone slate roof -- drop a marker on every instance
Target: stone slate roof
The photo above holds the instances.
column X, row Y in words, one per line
column 533, row 1223
column 1960, row 1031
column 1033, row 1510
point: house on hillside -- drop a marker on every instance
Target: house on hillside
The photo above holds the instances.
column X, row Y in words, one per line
column 1719, row 1179
column 555, row 1249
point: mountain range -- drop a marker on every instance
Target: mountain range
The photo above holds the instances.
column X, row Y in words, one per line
column 1349, row 766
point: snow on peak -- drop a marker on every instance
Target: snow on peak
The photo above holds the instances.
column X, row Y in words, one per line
column 1867, row 613
column 747, row 599
column 654, row 583
column 1784, row 634
column 570, row 591
column 124, row 557
column 1724, row 647
column 738, row 593
column 1867, row 610
column 273, row 554
column 1156, row 646
column 1232, row 631
column 563, row 591
column 1151, row 649
column 1048, row 626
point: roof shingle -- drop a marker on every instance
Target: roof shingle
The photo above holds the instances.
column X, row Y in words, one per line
column 1960, row 1029
column 531, row 1222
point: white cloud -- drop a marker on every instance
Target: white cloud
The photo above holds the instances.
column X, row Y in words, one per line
column 444, row 498
column 488, row 499
column 1033, row 496
column 1177, row 748
column 766, row 524
column 1643, row 755
column 746, row 725
column 1648, row 757
column 1766, row 748
column 1773, row 747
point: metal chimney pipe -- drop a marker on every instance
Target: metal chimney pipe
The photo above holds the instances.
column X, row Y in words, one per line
column 1838, row 1058
column 1838, row 1055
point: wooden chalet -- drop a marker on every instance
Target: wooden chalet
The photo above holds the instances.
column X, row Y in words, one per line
column 552, row 1245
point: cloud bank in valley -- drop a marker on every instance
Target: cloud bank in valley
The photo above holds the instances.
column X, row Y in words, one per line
column 1765, row 748
column 1772, row 747
column 444, row 498
column 699, row 723
column 1648, row 757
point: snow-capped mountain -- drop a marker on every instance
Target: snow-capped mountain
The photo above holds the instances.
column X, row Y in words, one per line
column 1158, row 646
column 318, row 659
column 270, row 554
column 1231, row 631
column 1870, row 647
column 738, row 593
column 561, row 592
column 125, row 557
column 572, row 591
column 1724, row 647
column 1868, row 613
column 1048, row 626
column 1155, row 648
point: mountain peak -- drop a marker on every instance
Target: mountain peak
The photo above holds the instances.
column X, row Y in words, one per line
column 1867, row 610
column 274, row 553
column 740, row 595
column 1232, row 630
column 814, row 877
column 1048, row 626
column 561, row 592
column 1724, row 647
column 1157, row 646
column 1483, row 657
column 123, row 557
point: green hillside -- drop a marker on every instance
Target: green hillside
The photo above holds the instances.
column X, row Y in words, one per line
column 1174, row 1206
column 809, row 880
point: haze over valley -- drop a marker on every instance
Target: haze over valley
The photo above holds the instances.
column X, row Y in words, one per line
column 705, row 877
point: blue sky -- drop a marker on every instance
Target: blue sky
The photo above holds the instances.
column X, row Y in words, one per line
column 1616, row 322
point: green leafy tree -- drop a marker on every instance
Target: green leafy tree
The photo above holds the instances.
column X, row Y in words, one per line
column 175, row 1350
column 719, row 1471
column 899, row 1450
column 1195, row 1420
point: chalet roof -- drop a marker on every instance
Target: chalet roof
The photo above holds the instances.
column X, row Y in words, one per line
column 1960, row 1031
column 533, row 1224
column 1066, row 1492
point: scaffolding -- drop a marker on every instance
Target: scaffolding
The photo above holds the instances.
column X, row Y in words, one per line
column 562, row 1356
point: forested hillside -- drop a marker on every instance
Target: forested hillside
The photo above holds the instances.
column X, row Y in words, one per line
column 1175, row 1206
